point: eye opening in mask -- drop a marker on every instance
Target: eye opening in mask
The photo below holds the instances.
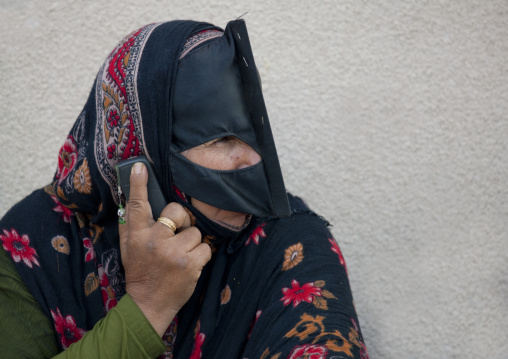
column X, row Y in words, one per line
column 223, row 153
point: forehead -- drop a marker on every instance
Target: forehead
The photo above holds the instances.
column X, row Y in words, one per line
column 208, row 99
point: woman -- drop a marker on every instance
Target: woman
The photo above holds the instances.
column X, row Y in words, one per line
column 233, row 268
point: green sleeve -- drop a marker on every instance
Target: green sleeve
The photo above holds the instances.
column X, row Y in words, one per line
column 25, row 332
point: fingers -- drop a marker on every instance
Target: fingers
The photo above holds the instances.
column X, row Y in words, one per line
column 139, row 212
column 176, row 213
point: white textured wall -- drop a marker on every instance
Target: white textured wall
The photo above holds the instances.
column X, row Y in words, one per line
column 391, row 119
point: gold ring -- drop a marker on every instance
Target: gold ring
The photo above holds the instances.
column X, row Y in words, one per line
column 167, row 222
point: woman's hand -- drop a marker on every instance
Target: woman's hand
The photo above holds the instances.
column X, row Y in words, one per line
column 161, row 267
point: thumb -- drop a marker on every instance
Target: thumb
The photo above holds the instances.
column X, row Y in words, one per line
column 139, row 212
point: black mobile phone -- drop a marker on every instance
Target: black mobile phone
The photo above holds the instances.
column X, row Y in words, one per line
column 155, row 195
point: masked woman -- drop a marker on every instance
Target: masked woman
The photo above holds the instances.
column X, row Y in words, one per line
column 232, row 267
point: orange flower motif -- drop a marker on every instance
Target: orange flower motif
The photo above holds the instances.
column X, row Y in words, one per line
column 61, row 244
column 293, row 256
column 82, row 181
column 225, row 296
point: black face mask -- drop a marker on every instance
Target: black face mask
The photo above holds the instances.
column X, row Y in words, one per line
column 217, row 94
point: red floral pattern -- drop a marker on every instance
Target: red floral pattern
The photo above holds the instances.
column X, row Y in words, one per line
column 60, row 208
column 335, row 248
column 66, row 327
column 90, row 254
column 308, row 351
column 256, row 235
column 258, row 314
column 297, row 294
column 198, row 343
column 108, row 295
column 67, row 159
column 19, row 247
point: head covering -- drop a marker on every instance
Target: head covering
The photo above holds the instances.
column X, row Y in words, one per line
column 217, row 94
column 129, row 113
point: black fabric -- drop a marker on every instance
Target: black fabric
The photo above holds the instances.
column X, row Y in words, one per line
column 214, row 98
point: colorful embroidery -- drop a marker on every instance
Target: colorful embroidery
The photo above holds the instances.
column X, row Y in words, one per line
column 298, row 294
column 335, row 341
column 82, row 181
column 293, row 256
column 266, row 353
column 335, row 248
column 198, row 343
column 169, row 339
column 320, row 302
column 108, row 295
column 112, row 267
column 60, row 208
column 91, row 283
column 119, row 128
column 66, row 159
column 19, row 247
column 61, row 244
column 225, row 295
column 90, row 253
column 308, row 351
column 66, row 328
column 258, row 314
column 256, row 235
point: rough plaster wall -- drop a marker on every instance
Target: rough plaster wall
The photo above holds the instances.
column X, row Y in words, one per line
column 390, row 119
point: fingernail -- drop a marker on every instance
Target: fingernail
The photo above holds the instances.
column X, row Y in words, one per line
column 137, row 168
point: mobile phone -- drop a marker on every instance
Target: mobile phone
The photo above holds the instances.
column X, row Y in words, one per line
column 155, row 195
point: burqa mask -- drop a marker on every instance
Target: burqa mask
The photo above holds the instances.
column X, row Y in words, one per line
column 218, row 93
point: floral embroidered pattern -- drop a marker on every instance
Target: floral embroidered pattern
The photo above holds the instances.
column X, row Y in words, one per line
column 66, row 328
column 256, row 235
column 66, row 159
column 108, row 295
column 298, row 294
column 354, row 337
column 169, row 339
column 90, row 254
column 119, row 125
column 91, row 283
column 308, row 351
column 19, row 247
column 334, row 341
column 293, row 256
column 61, row 244
column 111, row 265
column 82, row 181
column 225, row 295
column 320, row 302
column 60, row 208
column 335, row 248
column 198, row 343
column 258, row 314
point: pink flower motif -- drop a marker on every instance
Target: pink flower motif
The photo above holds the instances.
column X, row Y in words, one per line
column 90, row 254
column 66, row 159
column 108, row 295
column 335, row 248
column 198, row 343
column 19, row 247
column 363, row 350
column 308, row 351
column 297, row 294
column 258, row 313
column 256, row 235
column 66, row 327
column 66, row 212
